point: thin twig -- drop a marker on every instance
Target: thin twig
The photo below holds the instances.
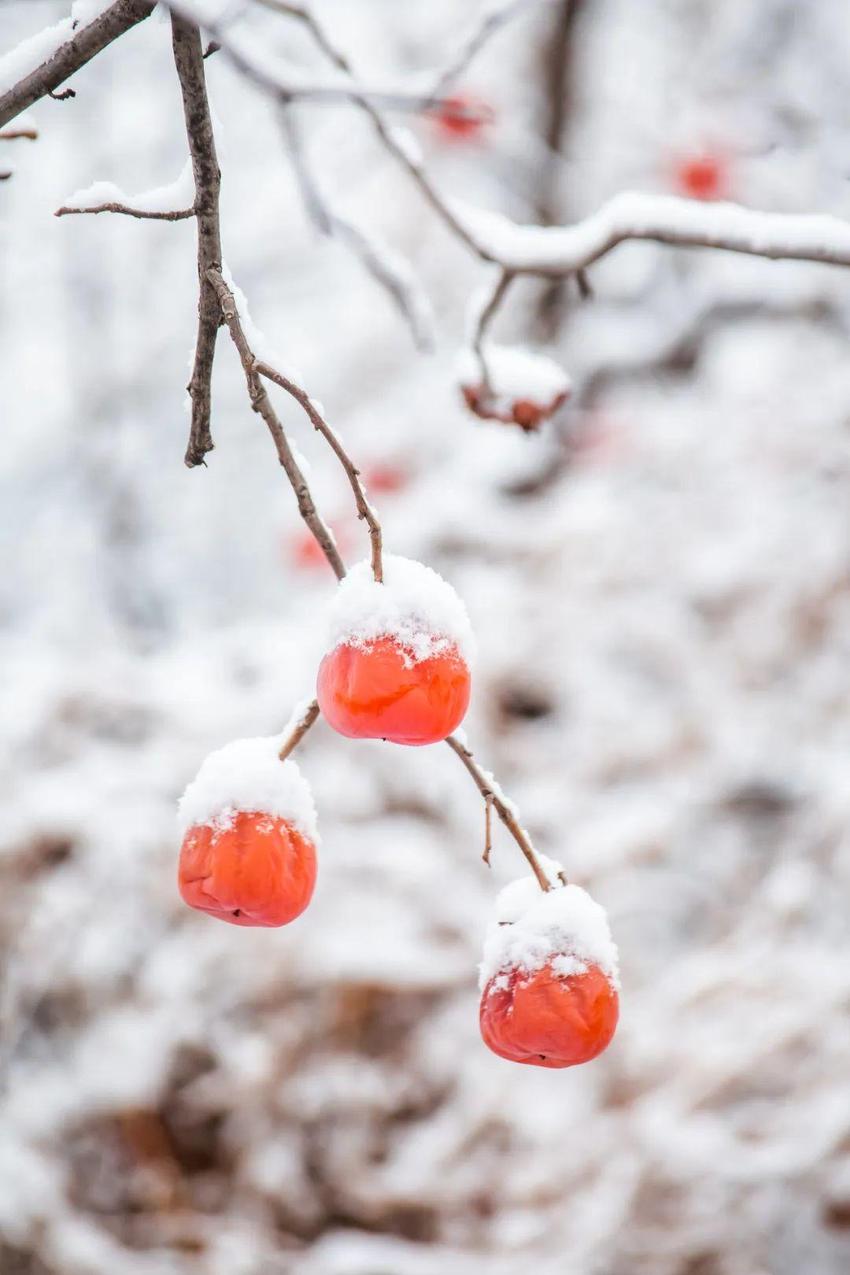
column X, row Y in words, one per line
column 299, row 730
column 84, row 44
column 397, row 280
column 491, row 22
column 255, row 67
column 364, row 509
column 189, row 60
column 485, row 784
column 405, row 155
column 485, row 318
column 15, row 134
column 488, row 828
column 261, row 403
column 125, row 209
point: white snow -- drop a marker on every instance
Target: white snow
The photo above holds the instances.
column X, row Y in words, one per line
column 666, row 218
column 247, row 774
column 515, row 373
column 173, row 197
column 414, row 605
column 530, row 927
column 40, row 47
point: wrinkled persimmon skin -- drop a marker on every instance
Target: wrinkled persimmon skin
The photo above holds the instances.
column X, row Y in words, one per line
column 260, row 871
column 379, row 693
column 548, row 1020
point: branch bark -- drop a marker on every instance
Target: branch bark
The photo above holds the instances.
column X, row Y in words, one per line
column 494, row 797
column 262, row 404
column 189, row 60
column 69, row 57
column 364, row 509
column 127, row 211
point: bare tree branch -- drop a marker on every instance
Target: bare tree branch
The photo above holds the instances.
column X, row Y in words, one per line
column 491, row 21
column 364, row 509
column 404, row 155
column 188, row 58
column 15, row 134
column 299, row 730
column 261, row 403
column 180, row 215
column 485, row 318
column 492, row 795
column 69, row 57
column 393, row 274
column 255, row 66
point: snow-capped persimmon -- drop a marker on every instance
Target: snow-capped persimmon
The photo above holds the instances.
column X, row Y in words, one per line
column 399, row 655
column 462, row 117
column 380, row 692
column 702, row 176
column 259, row 870
column 249, row 836
column 549, row 974
column 547, row 1019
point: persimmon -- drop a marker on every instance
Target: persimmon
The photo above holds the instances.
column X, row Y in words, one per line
column 249, row 836
column 378, row 691
column 462, row 117
column 258, row 870
column 547, row 1019
column 386, row 478
column 702, row 176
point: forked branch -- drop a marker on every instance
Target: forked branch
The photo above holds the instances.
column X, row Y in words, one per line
column 493, row 796
column 364, row 509
column 262, row 404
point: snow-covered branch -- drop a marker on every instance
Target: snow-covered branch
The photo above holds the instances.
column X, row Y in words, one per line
column 262, row 404
column 559, row 250
column 37, row 66
column 173, row 202
column 493, row 796
column 364, row 509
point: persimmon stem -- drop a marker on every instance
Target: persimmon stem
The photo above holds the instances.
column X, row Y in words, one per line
column 299, row 730
column 493, row 796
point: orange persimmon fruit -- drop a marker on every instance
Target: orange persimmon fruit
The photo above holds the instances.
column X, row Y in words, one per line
column 258, row 870
column 462, row 117
column 379, row 691
column 547, row 1019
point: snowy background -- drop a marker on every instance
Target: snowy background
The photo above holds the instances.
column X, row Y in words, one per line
column 659, row 581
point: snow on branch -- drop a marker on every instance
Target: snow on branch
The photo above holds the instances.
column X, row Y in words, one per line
column 39, row 64
column 558, row 250
column 505, row 809
column 262, row 404
column 172, row 202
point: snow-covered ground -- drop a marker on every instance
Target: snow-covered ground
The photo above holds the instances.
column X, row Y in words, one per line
column 659, row 585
